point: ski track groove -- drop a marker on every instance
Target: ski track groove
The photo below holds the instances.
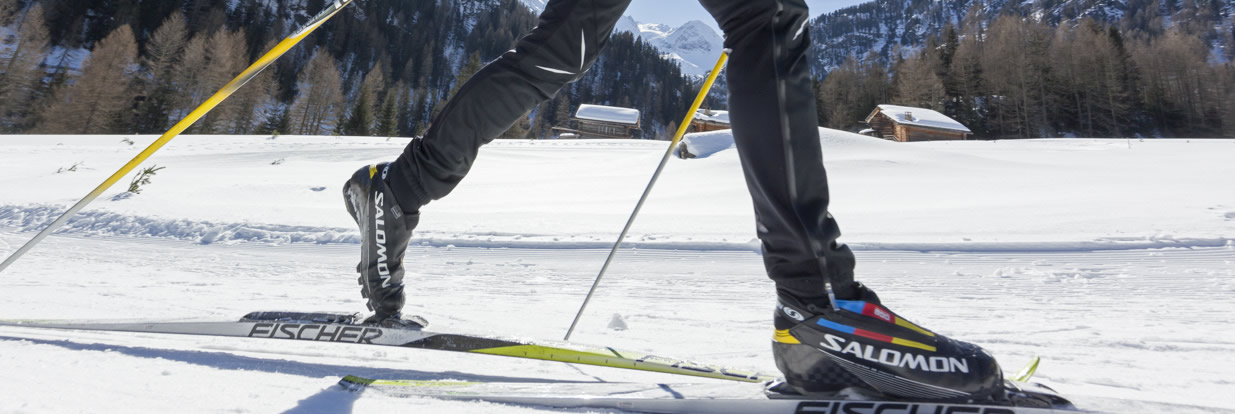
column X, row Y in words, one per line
column 1091, row 307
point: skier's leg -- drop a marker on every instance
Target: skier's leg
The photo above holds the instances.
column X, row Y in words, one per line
column 775, row 126
column 385, row 199
column 564, row 44
column 772, row 112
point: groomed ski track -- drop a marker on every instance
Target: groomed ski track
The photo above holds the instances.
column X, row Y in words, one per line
column 1086, row 311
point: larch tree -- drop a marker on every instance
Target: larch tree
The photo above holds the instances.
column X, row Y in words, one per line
column 919, row 85
column 21, row 79
column 318, row 105
column 254, row 103
column 190, row 78
column 226, row 54
column 92, row 102
column 162, row 58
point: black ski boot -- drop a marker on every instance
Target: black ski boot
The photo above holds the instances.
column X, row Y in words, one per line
column 822, row 349
column 385, row 231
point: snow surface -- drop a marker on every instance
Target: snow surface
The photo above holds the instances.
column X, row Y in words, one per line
column 608, row 114
column 716, row 116
column 1114, row 259
column 922, row 117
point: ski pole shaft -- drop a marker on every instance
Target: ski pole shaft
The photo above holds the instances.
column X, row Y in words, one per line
column 677, row 137
column 214, row 101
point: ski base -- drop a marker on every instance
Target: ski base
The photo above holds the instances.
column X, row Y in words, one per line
column 721, row 398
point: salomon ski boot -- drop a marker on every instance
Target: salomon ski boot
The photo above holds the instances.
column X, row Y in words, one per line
column 385, row 231
column 861, row 343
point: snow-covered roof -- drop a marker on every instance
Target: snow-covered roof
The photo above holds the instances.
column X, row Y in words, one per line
column 720, row 117
column 608, row 114
column 906, row 115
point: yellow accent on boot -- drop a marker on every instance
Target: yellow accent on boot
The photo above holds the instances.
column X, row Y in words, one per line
column 783, row 336
column 372, row 171
column 906, row 324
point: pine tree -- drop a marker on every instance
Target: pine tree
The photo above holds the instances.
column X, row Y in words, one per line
column 92, row 102
column 470, row 68
column 562, row 111
column 388, row 117
column 363, row 118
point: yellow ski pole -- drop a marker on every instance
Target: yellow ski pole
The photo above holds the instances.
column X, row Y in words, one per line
column 690, row 116
column 184, row 124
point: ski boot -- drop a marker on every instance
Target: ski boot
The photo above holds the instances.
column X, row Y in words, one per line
column 860, row 343
column 385, row 231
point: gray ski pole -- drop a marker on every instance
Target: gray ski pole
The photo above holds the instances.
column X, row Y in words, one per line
column 690, row 116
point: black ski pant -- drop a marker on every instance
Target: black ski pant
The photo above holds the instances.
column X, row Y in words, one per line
column 772, row 113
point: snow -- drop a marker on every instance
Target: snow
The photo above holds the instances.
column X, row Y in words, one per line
column 715, row 116
column 608, row 114
column 537, row 6
column 905, row 115
column 1113, row 259
column 695, row 45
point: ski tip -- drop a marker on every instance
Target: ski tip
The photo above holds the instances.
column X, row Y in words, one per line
column 354, row 383
column 1026, row 373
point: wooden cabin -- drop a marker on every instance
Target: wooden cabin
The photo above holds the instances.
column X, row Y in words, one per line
column 707, row 120
column 603, row 122
column 908, row 124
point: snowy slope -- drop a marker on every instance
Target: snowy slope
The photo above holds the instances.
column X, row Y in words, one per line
column 694, row 45
column 1114, row 259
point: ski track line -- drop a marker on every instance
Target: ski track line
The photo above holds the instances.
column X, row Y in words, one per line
column 1107, row 321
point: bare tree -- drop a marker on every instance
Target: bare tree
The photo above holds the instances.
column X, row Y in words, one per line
column 190, row 78
column 21, row 80
column 1015, row 72
column 92, row 102
column 7, row 8
column 254, row 102
column 227, row 53
column 318, row 105
column 163, row 56
column 918, row 85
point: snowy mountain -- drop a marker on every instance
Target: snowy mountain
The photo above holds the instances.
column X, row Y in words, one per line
column 694, row 45
column 536, row 5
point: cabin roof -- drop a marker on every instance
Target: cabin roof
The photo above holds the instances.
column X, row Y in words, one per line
column 612, row 114
column 921, row 117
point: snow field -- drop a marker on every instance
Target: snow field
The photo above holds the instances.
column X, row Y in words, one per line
column 1112, row 259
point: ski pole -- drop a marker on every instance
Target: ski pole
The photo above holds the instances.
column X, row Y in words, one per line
column 188, row 121
column 690, row 116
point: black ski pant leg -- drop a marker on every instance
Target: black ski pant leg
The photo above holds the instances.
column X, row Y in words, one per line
column 775, row 126
column 564, row 44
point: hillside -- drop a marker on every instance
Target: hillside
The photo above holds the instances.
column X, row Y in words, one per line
column 417, row 51
column 881, row 26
